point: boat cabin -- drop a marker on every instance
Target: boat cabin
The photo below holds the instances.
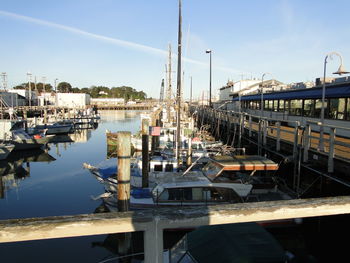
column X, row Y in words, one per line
column 239, row 168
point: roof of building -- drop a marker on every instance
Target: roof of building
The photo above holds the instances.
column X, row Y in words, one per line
column 310, row 93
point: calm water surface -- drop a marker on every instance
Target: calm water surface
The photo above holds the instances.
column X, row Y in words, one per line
column 59, row 185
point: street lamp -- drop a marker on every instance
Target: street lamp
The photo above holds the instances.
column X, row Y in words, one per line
column 340, row 71
column 209, row 51
column 262, row 93
column 55, row 92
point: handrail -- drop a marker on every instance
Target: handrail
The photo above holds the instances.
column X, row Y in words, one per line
column 153, row 222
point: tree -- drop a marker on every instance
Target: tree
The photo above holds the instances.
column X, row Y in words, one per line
column 64, row 87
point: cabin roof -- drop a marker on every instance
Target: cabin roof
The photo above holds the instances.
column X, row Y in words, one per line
column 245, row 163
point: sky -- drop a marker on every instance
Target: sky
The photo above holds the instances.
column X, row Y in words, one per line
column 114, row 42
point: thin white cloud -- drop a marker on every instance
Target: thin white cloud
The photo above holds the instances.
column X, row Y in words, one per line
column 111, row 40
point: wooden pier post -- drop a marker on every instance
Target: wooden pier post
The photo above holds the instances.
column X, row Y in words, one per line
column 45, row 115
column 124, row 152
column 145, row 152
column 331, row 150
column 306, row 140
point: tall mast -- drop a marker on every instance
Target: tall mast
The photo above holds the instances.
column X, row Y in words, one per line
column 169, row 91
column 178, row 93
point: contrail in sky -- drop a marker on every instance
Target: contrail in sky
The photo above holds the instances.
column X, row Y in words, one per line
column 115, row 41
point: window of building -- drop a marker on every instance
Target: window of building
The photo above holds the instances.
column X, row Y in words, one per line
column 336, row 109
column 347, row 113
column 270, row 104
column 309, row 108
column 296, row 107
column 266, row 105
column 281, row 105
column 318, row 106
column 275, row 105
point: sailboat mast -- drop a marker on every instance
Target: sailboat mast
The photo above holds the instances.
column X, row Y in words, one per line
column 178, row 94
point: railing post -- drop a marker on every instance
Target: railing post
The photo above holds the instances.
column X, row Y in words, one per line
column 306, row 141
column 295, row 144
column 331, row 150
column 265, row 124
column 250, row 125
column 278, row 136
column 153, row 243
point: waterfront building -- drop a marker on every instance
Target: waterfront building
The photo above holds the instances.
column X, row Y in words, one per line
column 22, row 94
column 106, row 101
column 70, row 100
column 9, row 99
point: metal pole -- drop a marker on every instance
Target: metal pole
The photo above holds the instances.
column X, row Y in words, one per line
column 178, row 99
column 191, row 93
column 145, row 151
column 321, row 142
column 210, row 105
column 124, row 152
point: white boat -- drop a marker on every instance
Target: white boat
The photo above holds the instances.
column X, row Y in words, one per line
column 5, row 150
column 108, row 176
column 23, row 141
column 177, row 190
column 55, row 128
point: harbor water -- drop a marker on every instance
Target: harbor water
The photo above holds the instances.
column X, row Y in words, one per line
column 59, row 185
column 54, row 183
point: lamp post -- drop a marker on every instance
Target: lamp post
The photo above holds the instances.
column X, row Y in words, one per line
column 209, row 51
column 29, row 75
column 261, row 123
column 55, row 83
column 262, row 93
column 340, row 71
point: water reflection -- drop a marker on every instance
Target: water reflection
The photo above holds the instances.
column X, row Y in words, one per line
column 17, row 167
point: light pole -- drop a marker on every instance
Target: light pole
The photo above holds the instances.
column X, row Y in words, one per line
column 55, row 83
column 29, row 75
column 209, row 51
column 340, row 71
column 262, row 93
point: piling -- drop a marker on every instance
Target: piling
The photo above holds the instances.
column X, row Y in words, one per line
column 145, row 152
column 124, row 154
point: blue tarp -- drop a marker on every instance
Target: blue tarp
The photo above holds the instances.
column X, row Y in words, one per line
column 141, row 193
column 112, row 171
column 108, row 172
column 311, row 93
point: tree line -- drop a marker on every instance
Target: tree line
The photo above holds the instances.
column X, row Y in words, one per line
column 128, row 93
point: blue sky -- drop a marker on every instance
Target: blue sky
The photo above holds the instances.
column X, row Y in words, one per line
column 114, row 42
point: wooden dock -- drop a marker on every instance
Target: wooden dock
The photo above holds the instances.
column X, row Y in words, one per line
column 287, row 139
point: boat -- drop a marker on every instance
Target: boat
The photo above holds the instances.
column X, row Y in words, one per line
column 182, row 191
column 107, row 176
column 55, row 128
column 23, row 141
column 5, row 150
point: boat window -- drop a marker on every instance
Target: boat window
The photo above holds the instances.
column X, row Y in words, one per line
column 158, row 167
column 164, row 196
column 211, row 170
column 169, row 167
